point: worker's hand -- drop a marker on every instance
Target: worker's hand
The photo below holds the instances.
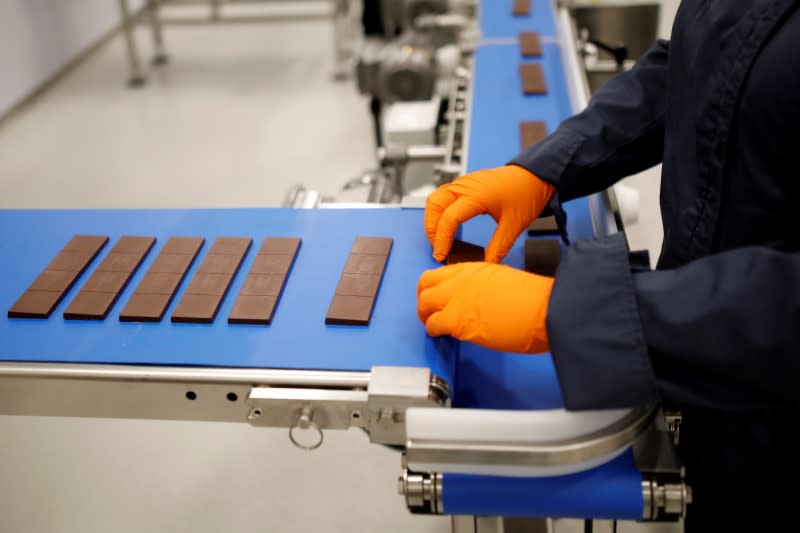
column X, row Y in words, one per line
column 510, row 194
column 496, row 306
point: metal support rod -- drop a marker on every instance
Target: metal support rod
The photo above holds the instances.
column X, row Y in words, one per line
column 215, row 16
column 340, row 20
column 244, row 376
column 137, row 78
column 159, row 54
column 387, row 12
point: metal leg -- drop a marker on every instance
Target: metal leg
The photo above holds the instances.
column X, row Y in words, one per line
column 463, row 524
column 499, row 524
column 215, row 10
column 160, row 56
column 526, row 525
column 389, row 20
column 488, row 524
column 341, row 20
column 137, row 77
column 600, row 526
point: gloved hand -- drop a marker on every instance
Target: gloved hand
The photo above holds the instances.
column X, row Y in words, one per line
column 496, row 306
column 512, row 196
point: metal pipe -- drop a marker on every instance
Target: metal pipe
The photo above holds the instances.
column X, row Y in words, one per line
column 137, row 78
column 160, row 55
column 214, row 10
column 316, row 378
column 178, row 20
column 339, row 18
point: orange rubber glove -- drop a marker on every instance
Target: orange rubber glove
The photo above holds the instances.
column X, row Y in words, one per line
column 496, row 306
column 510, row 194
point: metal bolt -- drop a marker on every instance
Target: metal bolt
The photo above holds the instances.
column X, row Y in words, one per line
column 386, row 415
column 305, row 418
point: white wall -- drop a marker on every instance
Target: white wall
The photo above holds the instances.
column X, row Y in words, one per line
column 668, row 10
column 39, row 37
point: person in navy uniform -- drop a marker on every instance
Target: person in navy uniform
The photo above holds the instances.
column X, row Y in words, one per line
column 714, row 330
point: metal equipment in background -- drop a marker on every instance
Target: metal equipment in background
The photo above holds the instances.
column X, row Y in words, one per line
column 410, row 66
column 339, row 13
column 417, row 76
column 402, row 70
column 612, row 35
column 425, row 148
column 411, row 79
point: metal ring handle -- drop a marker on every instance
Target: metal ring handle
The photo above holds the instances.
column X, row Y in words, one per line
column 304, row 422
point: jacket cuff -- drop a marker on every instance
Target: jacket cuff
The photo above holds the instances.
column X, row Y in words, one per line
column 594, row 329
column 548, row 159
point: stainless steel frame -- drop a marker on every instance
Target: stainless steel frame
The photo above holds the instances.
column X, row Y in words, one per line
column 458, row 119
column 535, row 454
column 375, row 401
column 665, row 495
column 339, row 13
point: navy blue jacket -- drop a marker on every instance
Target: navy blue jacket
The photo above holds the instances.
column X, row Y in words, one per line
column 715, row 329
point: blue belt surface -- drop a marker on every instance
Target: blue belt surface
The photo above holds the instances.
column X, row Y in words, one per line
column 613, row 491
column 298, row 336
column 499, row 105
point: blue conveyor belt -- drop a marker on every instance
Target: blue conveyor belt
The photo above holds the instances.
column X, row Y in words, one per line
column 499, row 105
column 613, row 491
column 298, row 337
column 487, row 379
column 492, row 380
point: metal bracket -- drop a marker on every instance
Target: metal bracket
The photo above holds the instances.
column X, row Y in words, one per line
column 379, row 409
column 673, row 419
column 422, row 491
column 456, row 116
column 298, row 399
column 664, row 491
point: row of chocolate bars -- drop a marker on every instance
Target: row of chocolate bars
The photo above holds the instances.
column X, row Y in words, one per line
column 541, row 256
column 258, row 298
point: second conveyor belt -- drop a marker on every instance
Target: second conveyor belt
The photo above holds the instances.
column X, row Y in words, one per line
column 486, row 379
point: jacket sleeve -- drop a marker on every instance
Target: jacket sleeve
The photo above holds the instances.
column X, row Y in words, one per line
column 621, row 132
column 721, row 332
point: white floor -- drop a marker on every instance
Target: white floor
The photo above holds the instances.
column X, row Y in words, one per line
column 217, row 127
column 241, row 114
